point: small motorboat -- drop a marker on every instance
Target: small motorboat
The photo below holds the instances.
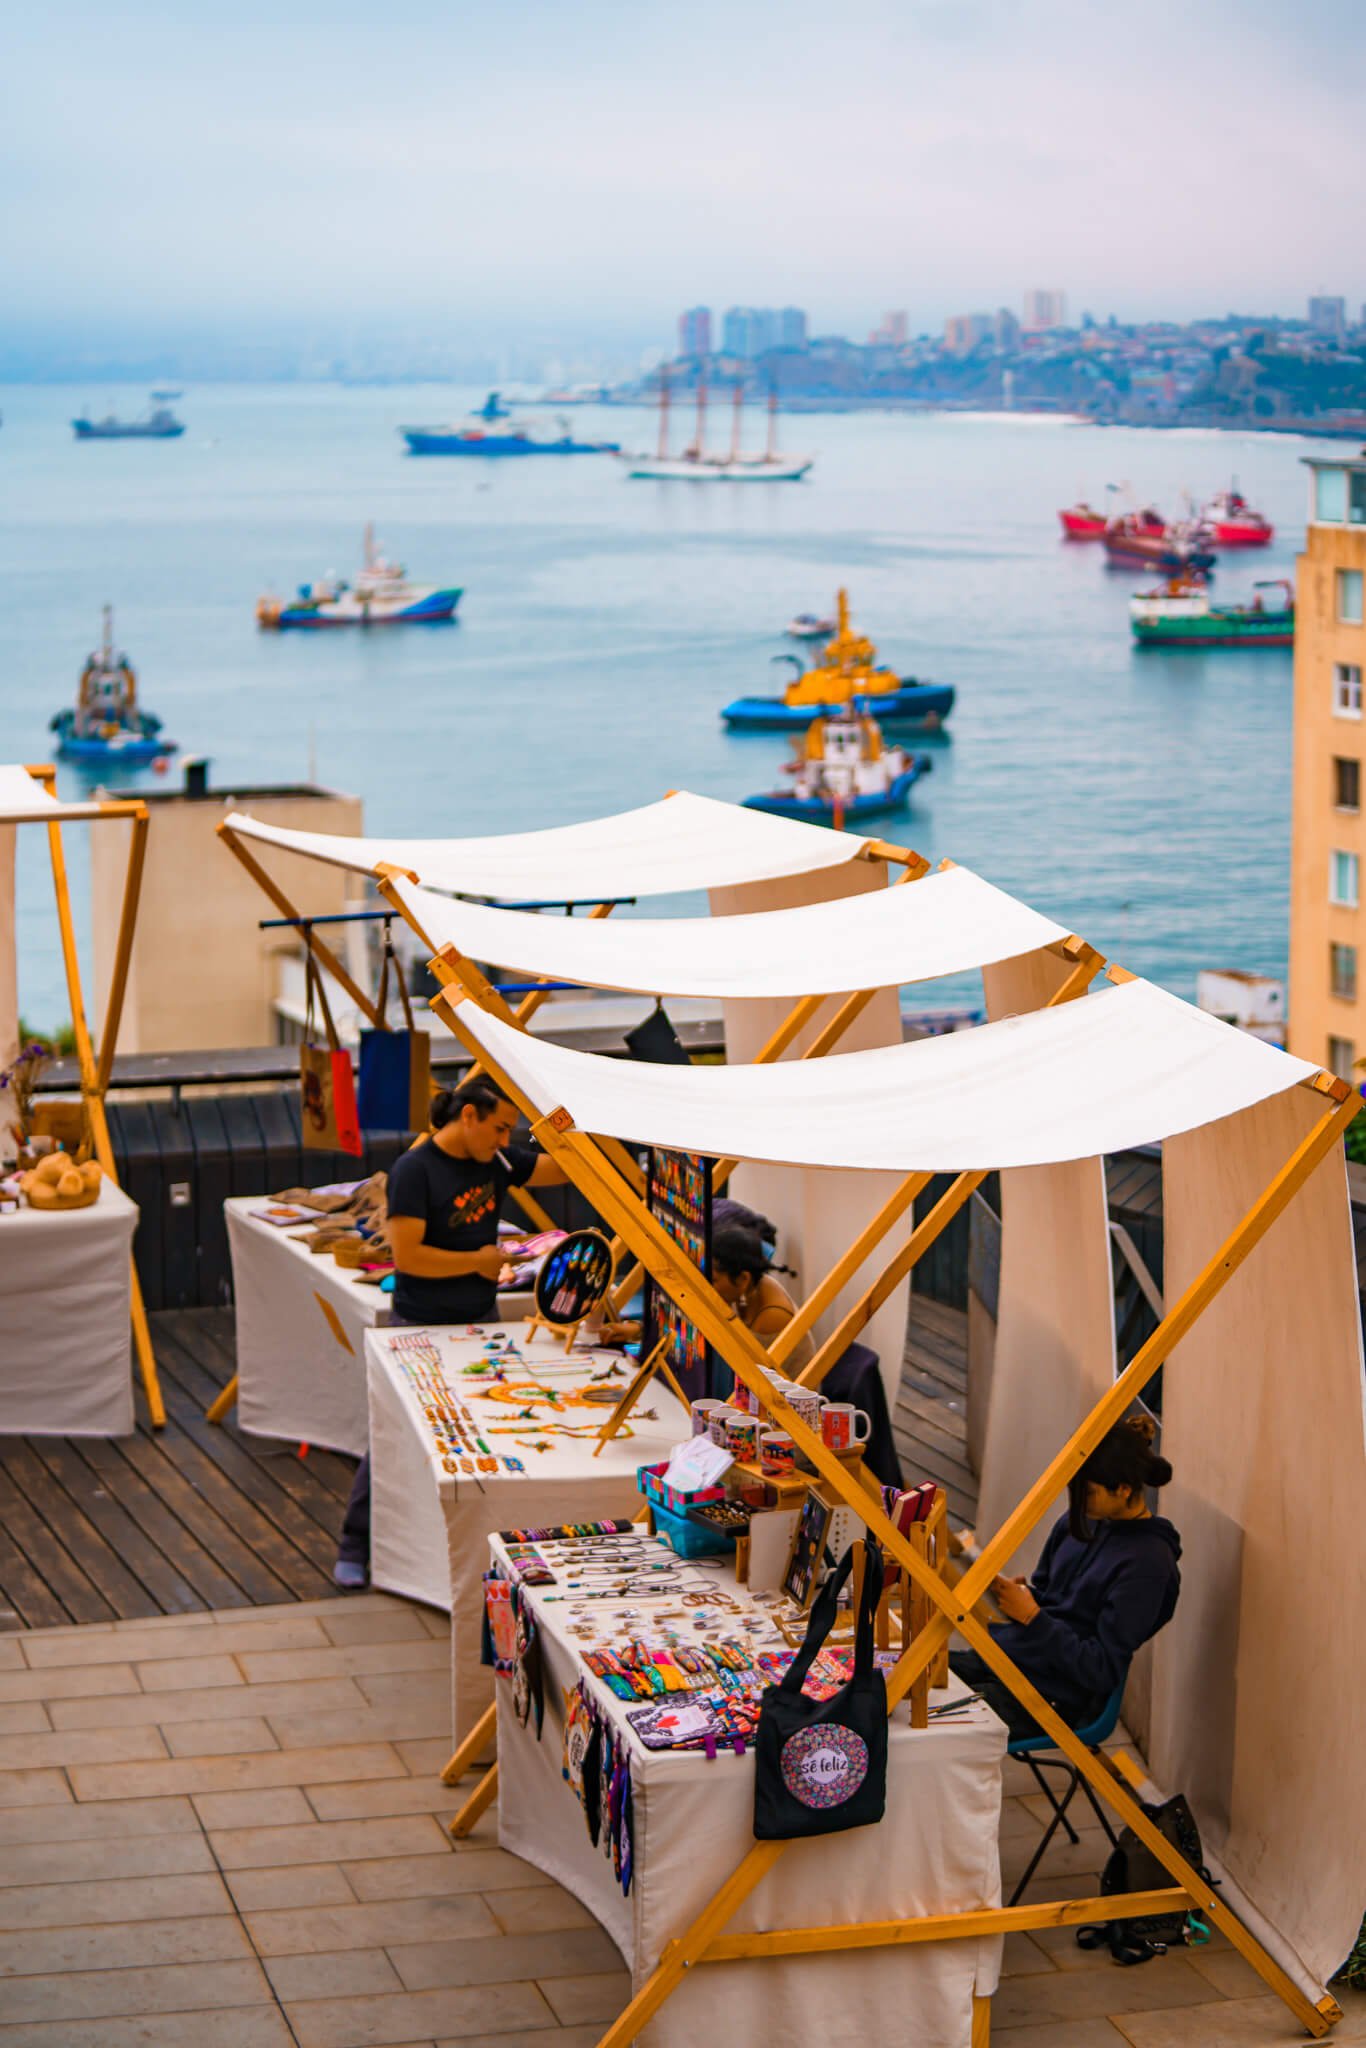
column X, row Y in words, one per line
column 105, row 727
column 1233, row 523
column 1180, row 614
column 809, row 626
column 380, row 596
column 844, row 769
column 847, row 677
column 1082, row 522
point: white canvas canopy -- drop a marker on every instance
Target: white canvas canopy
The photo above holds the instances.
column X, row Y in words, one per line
column 683, row 842
column 1127, row 1066
column 25, row 801
column 942, row 924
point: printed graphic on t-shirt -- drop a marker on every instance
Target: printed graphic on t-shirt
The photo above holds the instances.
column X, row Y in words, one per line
column 471, row 1205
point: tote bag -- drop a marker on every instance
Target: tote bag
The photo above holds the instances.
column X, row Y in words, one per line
column 327, row 1088
column 395, row 1087
column 821, row 1765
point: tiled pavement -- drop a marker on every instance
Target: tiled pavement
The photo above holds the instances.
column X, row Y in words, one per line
column 225, row 1831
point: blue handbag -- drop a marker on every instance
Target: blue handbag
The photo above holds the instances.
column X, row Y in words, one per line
column 394, row 1085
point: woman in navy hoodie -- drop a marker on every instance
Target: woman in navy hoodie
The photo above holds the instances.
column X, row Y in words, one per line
column 1107, row 1581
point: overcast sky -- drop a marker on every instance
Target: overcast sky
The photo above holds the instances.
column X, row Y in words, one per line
column 597, row 166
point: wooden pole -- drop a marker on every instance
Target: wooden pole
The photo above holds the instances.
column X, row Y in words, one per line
column 320, row 950
column 968, row 1926
column 128, row 917
column 476, row 1742
column 483, row 1795
column 695, row 1296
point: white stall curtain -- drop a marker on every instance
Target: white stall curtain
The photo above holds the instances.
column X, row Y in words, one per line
column 1256, row 1705
column 1049, row 1369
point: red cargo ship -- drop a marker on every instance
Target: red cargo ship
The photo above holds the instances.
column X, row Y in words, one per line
column 1080, row 522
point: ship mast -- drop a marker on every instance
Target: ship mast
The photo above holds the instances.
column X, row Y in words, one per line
column 369, row 545
column 107, row 636
column 663, row 412
column 696, row 451
column 735, row 421
column 772, row 423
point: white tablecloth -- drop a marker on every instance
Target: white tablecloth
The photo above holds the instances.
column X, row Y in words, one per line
column 65, row 1337
column 429, row 1531
column 935, row 1851
column 294, row 1379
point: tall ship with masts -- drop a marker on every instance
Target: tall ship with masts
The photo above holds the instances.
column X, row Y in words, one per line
column 696, row 465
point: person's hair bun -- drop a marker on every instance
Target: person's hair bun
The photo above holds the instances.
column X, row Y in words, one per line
column 1159, row 1471
column 1144, row 1426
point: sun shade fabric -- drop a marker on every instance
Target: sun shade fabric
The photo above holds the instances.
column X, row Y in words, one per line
column 943, row 924
column 1126, row 1066
column 682, row 842
column 24, row 801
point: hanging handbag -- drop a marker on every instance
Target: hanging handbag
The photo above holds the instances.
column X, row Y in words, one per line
column 327, row 1105
column 821, row 1765
column 395, row 1087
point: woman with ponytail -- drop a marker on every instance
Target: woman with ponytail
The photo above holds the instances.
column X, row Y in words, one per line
column 1108, row 1580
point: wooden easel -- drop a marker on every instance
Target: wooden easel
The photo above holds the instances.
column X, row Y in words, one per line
column 96, row 1070
column 593, row 1172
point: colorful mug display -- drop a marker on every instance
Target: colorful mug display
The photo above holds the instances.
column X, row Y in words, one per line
column 702, row 1413
column 777, row 1452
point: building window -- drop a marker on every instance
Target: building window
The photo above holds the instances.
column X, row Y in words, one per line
column 1342, row 1058
column 1346, row 784
column 1349, row 597
column 1356, row 498
column 1343, row 880
column 1346, row 689
column 1342, row 971
column 1330, row 496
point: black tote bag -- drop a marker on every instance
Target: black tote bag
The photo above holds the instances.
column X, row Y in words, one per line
column 821, row 1765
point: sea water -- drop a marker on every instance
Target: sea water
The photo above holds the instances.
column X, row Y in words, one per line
column 1139, row 797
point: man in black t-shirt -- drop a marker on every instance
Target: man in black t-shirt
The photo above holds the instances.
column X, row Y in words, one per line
column 444, row 1200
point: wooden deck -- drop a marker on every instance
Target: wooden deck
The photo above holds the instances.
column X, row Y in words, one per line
column 167, row 1521
column 196, row 1516
column 930, row 1418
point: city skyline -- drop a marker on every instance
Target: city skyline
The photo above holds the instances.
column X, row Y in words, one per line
column 275, row 171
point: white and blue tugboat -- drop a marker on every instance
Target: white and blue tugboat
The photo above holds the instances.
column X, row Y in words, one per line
column 844, row 770
column 106, row 726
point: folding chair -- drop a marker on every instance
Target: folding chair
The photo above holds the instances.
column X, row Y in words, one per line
column 1028, row 1747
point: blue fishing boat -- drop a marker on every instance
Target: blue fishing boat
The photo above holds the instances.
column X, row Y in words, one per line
column 381, row 595
column 106, row 727
column 847, row 677
column 158, row 424
column 843, row 770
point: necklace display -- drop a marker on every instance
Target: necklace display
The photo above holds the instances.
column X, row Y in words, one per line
column 460, row 1438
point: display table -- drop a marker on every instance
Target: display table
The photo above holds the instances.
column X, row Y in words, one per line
column 296, row 1379
column 429, row 1528
column 934, row 1851
column 65, row 1334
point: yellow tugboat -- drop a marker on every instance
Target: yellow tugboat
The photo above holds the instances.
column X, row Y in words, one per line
column 847, row 678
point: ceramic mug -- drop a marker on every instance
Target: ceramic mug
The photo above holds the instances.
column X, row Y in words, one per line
column 742, row 1436
column 840, row 1425
column 743, row 1397
column 806, row 1404
column 777, row 1452
column 720, row 1419
column 702, row 1412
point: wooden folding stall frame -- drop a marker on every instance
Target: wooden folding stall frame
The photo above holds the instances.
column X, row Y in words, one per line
column 596, row 1175
column 96, row 1067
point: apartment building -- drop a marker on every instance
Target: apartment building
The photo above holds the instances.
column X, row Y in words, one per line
column 1327, row 1023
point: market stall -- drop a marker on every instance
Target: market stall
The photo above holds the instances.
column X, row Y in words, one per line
column 436, row 1500
column 65, row 1350
column 28, row 796
column 689, row 1821
column 301, row 1321
column 1028, row 1091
